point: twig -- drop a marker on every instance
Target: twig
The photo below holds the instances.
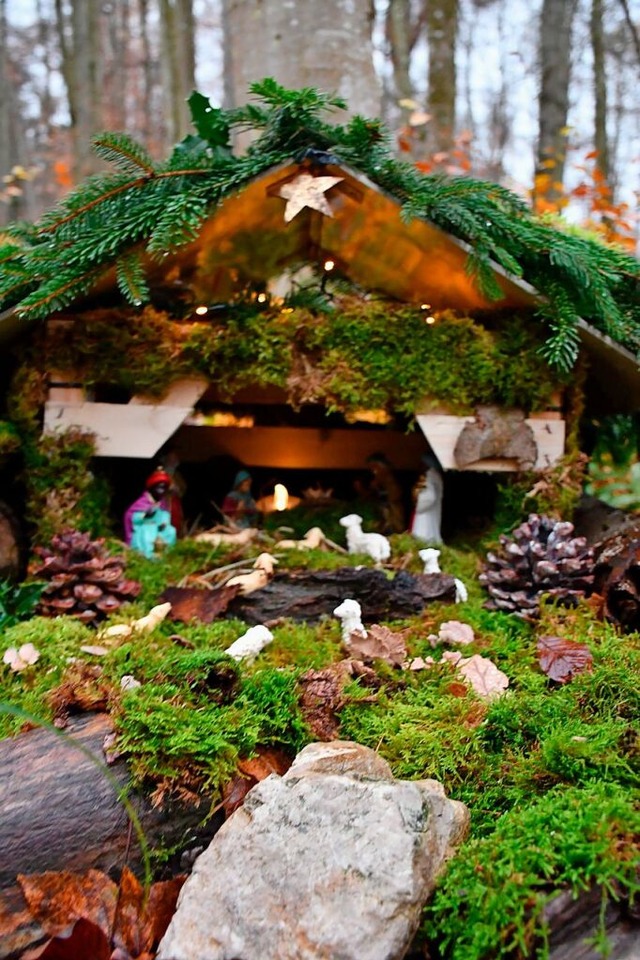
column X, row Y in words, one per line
column 335, row 546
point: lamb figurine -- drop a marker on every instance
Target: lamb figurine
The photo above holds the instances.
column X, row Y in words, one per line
column 374, row 545
column 263, row 569
column 349, row 613
column 430, row 557
column 248, row 646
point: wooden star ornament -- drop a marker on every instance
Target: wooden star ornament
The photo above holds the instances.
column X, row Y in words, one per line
column 307, row 191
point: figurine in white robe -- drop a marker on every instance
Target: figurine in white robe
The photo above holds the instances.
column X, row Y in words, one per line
column 427, row 515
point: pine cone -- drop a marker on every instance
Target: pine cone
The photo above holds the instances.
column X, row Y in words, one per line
column 83, row 579
column 542, row 556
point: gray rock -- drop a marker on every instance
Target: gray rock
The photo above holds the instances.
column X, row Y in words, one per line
column 333, row 860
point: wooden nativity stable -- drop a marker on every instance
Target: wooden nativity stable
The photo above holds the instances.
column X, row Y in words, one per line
column 312, row 301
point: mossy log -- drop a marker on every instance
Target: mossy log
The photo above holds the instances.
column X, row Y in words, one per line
column 311, row 594
column 575, row 923
column 59, row 811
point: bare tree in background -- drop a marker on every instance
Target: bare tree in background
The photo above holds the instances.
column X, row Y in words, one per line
column 79, row 33
column 556, row 23
column 442, row 32
column 324, row 44
column 403, row 26
column 179, row 63
column 601, row 141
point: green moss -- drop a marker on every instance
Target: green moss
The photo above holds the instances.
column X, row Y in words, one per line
column 489, row 904
column 357, row 354
column 62, row 490
column 9, row 438
column 57, row 641
column 546, row 769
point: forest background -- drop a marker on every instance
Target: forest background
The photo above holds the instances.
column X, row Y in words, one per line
column 538, row 95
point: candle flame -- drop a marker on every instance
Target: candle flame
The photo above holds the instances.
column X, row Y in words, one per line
column 280, row 497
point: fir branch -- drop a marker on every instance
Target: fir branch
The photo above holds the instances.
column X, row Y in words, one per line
column 131, row 279
column 113, row 191
column 54, row 295
column 124, row 152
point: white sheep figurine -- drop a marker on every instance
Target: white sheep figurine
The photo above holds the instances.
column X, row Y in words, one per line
column 263, row 569
column 248, row 646
column 349, row 612
column 431, row 559
column 374, row 545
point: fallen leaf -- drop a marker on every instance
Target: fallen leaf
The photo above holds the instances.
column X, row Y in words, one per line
column 453, row 631
column 268, row 760
column 88, row 917
column 562, row 659
column 321, row 694
column 196, row 603
column 482, row 675
column 95, row 650
column 381, row 643
column 419, row 663
column 83, row 941
column 457, row 689
column 57, row 900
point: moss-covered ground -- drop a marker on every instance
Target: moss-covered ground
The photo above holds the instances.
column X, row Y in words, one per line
column 550, row 773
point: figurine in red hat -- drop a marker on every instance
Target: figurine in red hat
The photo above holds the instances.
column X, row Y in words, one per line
column 147, row 522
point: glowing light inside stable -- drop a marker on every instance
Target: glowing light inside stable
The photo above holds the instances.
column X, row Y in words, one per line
column 329, row 265
column 430, row 319
column 261, row 298
column 425, row 306
column 202, row 310
column 280, row 497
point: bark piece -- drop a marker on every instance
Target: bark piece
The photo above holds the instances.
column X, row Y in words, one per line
column 311, row 594
column 496, row 433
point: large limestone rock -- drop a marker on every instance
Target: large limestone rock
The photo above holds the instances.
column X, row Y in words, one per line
column 333, row 860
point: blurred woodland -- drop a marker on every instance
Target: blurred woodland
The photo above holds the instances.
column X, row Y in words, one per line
column 539, row 95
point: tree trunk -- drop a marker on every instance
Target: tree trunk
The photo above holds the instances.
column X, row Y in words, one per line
column 555, row 66
column 9, row 209
column 401, row 42
column 442, row 32
column 178, row 54
column 79, row 42
column 325, row 45
column 599, row 90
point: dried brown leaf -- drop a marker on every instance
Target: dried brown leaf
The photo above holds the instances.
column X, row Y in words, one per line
column 195, row 603
column 381, row 643
column 56, row 900
column 268, row 760
column 482, row 675
column 562, row 659
column 321, row 694
column 453, row 631
column 82, row 941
